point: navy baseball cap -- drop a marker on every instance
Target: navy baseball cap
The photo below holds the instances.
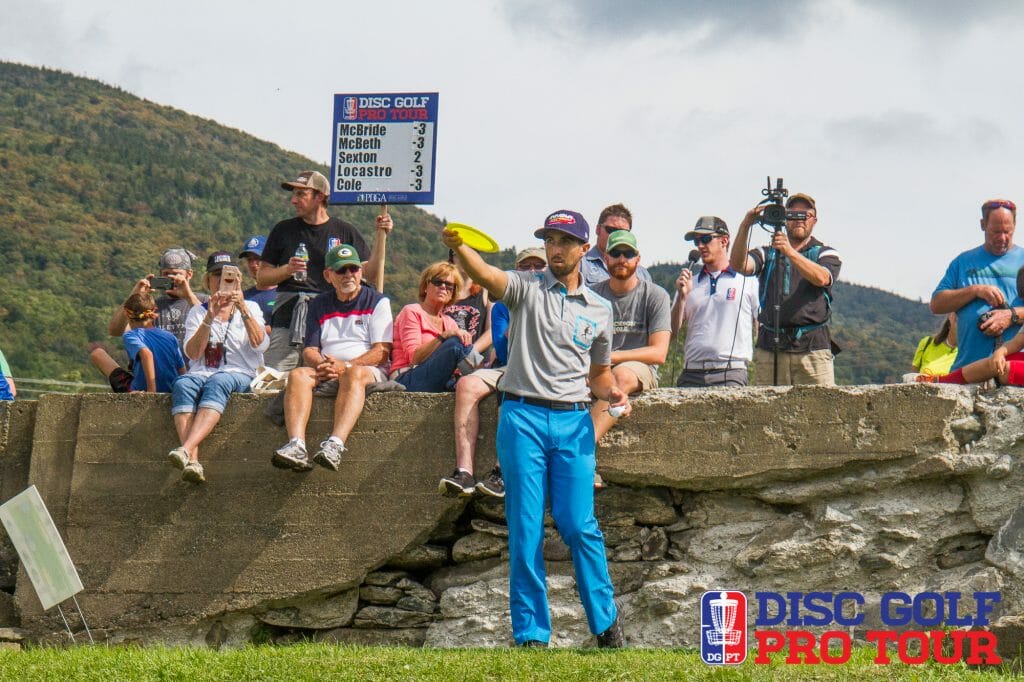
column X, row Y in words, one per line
column 253, row 245
column 569, row 222
column 218, row 259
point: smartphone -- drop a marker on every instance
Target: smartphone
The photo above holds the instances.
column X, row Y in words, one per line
column 230, row 276
column 161, row 283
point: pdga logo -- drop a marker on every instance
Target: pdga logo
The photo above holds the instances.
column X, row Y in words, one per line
column 919, row 627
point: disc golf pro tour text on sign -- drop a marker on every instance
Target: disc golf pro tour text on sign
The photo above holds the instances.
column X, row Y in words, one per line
column 384, row 148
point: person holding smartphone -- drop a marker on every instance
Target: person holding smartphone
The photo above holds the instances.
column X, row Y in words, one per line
column 224, row 343
column 173, row 291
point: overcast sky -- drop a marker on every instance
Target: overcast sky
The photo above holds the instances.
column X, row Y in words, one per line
column 900, row 118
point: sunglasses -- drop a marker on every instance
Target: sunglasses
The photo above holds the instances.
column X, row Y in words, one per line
column 623, row 253
column 704, row 239
column 531, row 267
column 441, row 284
column 348, row 269
column 609, row 230
column 998, row 203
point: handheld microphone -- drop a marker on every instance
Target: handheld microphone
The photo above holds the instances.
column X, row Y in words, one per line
column 692, row 259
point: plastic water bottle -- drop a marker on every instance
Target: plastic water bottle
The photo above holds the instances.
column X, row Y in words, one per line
column 303, row 253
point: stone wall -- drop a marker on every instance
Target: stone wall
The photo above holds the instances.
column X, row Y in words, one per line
column 870, row 489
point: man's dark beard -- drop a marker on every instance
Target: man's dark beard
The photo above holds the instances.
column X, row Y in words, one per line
column 563, row 270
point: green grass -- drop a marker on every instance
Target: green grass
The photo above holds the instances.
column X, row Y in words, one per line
column 318, row 661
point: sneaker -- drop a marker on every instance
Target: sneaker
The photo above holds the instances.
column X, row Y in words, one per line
column 193, row 472
column 292, row 455
column 493, row 485
column 612, row 638
column 329, row 454
column 471, row 362
column 178, row 457
column 534, row 644
column 459, row 484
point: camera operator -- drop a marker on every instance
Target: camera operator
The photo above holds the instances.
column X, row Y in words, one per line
column 795, row 276
column 980, row 284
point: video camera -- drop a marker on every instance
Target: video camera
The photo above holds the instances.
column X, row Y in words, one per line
column 775, row 214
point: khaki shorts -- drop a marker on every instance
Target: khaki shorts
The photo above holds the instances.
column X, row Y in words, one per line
column 489, row 376
column 647, row 378
column 813, row 367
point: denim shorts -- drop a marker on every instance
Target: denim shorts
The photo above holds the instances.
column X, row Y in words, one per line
column 194, row 391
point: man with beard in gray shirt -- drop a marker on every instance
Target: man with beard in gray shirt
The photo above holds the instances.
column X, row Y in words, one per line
column 642, row 330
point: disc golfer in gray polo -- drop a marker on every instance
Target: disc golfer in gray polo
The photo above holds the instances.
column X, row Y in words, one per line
column 560, row 332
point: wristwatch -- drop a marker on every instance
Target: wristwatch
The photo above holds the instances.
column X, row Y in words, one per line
column 1014, row 317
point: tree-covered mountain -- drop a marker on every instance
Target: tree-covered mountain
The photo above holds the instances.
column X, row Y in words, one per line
column 95, row 183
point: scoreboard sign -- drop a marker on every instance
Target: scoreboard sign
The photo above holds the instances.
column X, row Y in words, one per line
column 384, row 148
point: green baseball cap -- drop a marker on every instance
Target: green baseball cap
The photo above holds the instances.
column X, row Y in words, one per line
column 622, row 238
column 342, row 254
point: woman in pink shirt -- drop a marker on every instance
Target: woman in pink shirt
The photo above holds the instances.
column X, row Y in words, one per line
column 429, row 344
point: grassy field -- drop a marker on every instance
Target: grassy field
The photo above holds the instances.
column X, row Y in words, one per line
column 317, row 661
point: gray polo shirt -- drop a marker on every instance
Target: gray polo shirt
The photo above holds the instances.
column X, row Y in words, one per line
column 638, row 314
column 553, row 337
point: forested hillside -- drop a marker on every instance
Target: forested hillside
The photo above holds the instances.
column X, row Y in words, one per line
column 95, row 183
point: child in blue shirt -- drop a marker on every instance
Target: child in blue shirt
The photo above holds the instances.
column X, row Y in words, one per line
column 154, row 356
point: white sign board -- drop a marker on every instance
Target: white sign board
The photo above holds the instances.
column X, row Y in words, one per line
column 384, row 148
column 40, row 548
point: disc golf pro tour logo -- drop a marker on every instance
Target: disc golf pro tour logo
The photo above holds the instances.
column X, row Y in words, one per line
column 723, row 627
column 943, row 627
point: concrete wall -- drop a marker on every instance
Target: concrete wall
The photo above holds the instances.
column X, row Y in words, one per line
column 862, row 488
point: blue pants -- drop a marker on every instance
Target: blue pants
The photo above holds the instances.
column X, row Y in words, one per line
column 434, row 374
column 192, row 391
column 548, row 454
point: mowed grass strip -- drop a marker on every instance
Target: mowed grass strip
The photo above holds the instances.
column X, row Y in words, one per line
column 342, row 662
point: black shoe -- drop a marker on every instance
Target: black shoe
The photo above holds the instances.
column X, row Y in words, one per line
column 534, row 644
column 612, row 638
column 493, row 485
column 459, row 484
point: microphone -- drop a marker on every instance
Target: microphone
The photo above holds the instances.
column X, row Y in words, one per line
column 692, row 259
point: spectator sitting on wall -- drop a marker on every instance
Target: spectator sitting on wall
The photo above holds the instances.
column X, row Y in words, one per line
column 471, row 390
column 348, row 340
column 1006, row 366
column 154, row 358
column 174, row 304
column 641, row 324
column 6, row 379
column 471, row 310
column 298, row 280
column 936, row 353
column 225, row 340
column 263, row 295
column 429, row 344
